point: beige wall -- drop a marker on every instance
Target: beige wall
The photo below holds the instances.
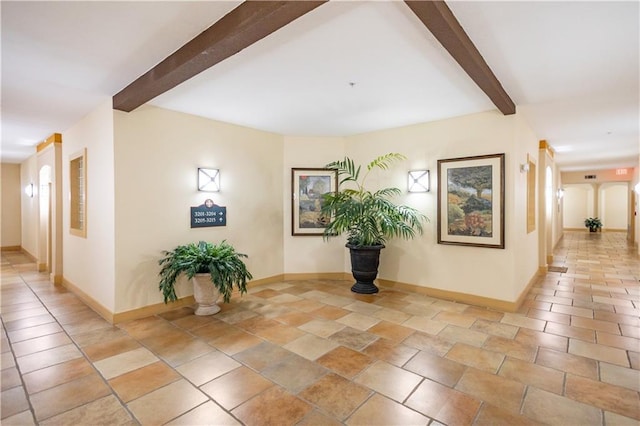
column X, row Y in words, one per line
column 30, row 212
column 493, row 273
column 310, row 254
column 88, row 263
column 10, row 213
column 157, row 153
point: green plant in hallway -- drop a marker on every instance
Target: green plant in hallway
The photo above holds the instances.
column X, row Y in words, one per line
column 368, row 218
column 593, row 223
column 215, row 269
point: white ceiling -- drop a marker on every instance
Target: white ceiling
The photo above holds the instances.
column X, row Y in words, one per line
column 572, row 69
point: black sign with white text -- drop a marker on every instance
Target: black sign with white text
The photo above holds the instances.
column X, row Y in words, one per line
column 208, row 214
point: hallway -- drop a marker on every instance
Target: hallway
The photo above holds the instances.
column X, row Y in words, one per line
column 314, row 353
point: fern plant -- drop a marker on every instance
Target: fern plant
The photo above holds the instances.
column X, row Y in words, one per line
column 369, row 218
column 221, row 261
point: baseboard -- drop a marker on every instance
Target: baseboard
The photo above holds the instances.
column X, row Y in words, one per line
column 469, row 299
column 318, row 276
column 147, row 311
column 270, row 280
column 10, row 248
column 90, row 301
column 29, row 255
column 57, row 279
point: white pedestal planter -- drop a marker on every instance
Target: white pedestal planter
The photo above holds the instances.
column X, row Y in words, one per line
column 206, row 295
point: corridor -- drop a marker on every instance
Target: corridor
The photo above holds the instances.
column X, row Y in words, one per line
column 314, row 353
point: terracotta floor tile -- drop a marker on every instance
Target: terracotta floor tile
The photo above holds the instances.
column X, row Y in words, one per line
column 482, row 386
column 275, row 406
column 263, row 355
column 358, row 321
column 550, row 316
column 294, row 318
column 537, row 338
column 57, row 374
column 49, row 357
column 593, row 324
column 38, row 344
column 389, row 380
column 620, row 376
column 618, row 420
column 569, row 363
column 125, row 362
column 24, row 418
column 527, row 373
column 32, row 332
column 206, row 414
column 344, row 361
column 435, row 368
column 387, row 350
column 109, row 348
column 549, row 408
column 180, row 352
column 136, row 383
column 310, row 346
column 428, row 343
column 495, row 328
column 612, row 398
column 103, row 411
column 235, row 342
column 166, row 403
column 322, row 328
column 12, row 402
column 621, row 342
column 424, row 324
column 75, row 393
column 617, row 318
column 571, row 310
column 475, row 357
column 463, row 335
column 630, row 331
column 208, row 367
column 490, row 415
column 280, row 333
column 444, row 404
column 294, row 373
column 9, row 378
column 236, row 387
column 353, row 338
column 28, row 322
column 381, row 411
column 329, row 312
column 316, row 418
column 392, row 315
column 336, row 395
column 391, row 331
column 24, row 313
column 98, row 336
column 599, row 352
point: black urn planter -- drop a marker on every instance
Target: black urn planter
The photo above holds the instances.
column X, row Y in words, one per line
column 364, row 267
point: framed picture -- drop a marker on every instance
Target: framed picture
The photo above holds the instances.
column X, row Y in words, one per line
column 308, row 186
column 471, row 201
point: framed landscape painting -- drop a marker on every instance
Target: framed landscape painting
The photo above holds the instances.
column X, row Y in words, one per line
column 308, row 187
column 471, row 201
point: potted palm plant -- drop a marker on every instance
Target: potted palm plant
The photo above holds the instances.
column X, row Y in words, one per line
column 213, row 268
column 593, row 223
column 369, row 218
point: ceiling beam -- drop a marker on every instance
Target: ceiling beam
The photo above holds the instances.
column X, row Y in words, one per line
column 439, row 19
column 246, row 24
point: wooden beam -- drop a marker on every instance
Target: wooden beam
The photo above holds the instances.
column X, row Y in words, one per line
column 439, row 19
column 246, row 24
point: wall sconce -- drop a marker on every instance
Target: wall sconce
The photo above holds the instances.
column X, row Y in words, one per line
column 208, row 180
column 560, row 193
column 524, row 168
column 29, row 190
column 418, row 181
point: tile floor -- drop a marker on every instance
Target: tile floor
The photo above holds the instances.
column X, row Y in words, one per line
column 313, row 353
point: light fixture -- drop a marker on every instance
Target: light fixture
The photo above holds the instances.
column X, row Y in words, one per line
column 418, row 181
column 560, row 193
column 208, row 180
column 524, row 168
column 29, row 190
